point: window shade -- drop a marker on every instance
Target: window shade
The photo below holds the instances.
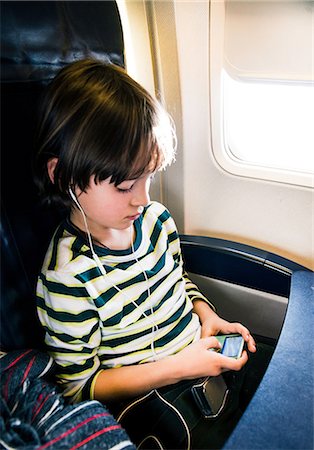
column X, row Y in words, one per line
column 269, row 39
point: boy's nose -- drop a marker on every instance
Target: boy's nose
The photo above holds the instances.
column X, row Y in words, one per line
column 141, row 197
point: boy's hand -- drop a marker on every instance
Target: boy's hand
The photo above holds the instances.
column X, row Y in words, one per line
column 215, row 325
column 198, row 360
column 212, row 325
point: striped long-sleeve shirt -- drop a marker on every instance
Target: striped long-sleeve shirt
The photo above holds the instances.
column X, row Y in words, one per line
column 94, row 321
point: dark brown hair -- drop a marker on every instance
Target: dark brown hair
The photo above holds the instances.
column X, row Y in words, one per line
column 99, row 122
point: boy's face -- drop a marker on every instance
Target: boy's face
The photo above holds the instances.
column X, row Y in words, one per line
column 109, row 207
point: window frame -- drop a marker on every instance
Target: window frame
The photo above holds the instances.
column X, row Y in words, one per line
column 222, row 155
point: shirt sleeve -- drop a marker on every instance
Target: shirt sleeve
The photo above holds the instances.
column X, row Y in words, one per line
column 72, row 333
column 192, row 291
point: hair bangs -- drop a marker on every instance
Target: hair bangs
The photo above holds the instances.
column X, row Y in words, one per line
column 143, row 157
column 135, row 146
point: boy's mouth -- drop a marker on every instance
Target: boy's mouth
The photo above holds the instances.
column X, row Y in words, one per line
column 136, row 216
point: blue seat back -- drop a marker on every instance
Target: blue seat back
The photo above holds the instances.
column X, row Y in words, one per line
column 38, row 38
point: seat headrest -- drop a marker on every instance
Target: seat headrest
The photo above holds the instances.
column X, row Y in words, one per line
column 39, row 38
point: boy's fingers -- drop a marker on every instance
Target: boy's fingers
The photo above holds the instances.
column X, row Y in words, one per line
column 250, row 342
column 233, row 363
column 212, row 342
column 248, row 338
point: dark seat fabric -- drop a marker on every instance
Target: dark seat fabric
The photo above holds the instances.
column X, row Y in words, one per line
column 37, row 39
column 34, row 415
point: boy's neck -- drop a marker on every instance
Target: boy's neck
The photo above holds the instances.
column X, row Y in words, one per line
column 109, row 238
column 116, row 239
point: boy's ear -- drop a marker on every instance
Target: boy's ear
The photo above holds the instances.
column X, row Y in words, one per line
column 51, row 165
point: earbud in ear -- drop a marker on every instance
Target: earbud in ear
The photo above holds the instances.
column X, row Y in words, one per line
column 73, row 196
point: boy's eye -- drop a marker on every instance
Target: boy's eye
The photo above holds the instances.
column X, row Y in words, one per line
column 125, row 191
column 125, row 188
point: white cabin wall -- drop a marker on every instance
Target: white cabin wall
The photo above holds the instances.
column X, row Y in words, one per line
column 204, row 198
column 273, row 216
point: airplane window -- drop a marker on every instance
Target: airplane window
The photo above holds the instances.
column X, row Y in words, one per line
column 269, row 123
column 261, row 89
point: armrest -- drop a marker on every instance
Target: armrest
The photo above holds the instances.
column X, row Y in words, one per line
column 238, row 263
column 280, row 414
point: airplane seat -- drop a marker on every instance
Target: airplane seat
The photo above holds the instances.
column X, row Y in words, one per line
column 37, row 39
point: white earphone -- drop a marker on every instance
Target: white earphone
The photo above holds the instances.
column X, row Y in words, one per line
column 95, row 257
